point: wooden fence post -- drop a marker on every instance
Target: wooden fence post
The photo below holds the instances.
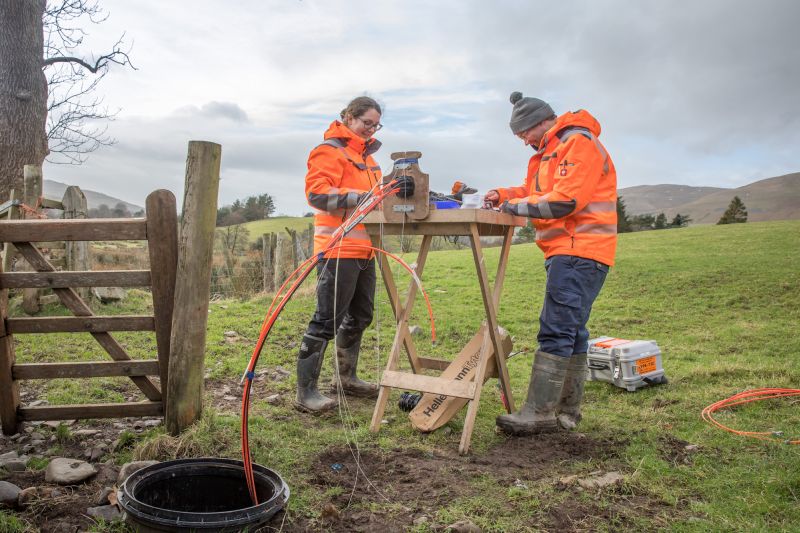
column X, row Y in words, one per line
column 76, row 253
column 310, row 241
column 284, row 257
column 162, row 245
column 31, row 196
column 192, row 286
column 8, row 248
column 268, row 261
column 9, row 390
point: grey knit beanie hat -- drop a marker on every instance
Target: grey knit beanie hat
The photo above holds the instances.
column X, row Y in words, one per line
column 528, row 112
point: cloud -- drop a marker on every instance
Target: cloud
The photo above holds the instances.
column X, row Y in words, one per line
column 686, row 92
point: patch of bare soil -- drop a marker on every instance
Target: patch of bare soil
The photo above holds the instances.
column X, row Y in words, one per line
column 676, row 451
column 409, row 484
column 60, row 509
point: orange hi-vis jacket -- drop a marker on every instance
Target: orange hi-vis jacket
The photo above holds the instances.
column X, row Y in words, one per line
column 339, row 171
column 570, row 191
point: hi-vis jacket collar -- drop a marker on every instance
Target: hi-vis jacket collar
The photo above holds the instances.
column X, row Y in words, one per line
column 580, row 118
column 337, row 130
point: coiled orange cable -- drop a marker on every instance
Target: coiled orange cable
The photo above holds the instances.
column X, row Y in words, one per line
column 748, row 396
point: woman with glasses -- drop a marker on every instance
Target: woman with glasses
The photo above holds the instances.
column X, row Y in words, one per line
column 341, row 171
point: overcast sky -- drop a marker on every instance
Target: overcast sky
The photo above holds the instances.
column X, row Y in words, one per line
column 690, row 92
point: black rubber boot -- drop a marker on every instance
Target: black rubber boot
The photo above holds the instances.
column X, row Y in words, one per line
column 309, row 364
column 538, row 414
column 348, row 346
column 569, row 408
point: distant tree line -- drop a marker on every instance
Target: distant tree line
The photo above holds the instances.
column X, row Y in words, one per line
column 627, row 223
column 251, row 208
column 120, row 210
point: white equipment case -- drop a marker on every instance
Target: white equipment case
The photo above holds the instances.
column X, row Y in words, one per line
column 630, row 365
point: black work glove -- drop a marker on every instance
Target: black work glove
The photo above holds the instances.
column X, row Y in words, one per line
column 404, row 186
column 508, row 208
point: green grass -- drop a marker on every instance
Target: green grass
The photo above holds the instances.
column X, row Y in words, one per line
column 276, row 225
column 10, row 523
column 723, row 303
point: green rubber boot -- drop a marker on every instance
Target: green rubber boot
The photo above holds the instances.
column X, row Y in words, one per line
column 348, row 346
column 538, row 414
column 569, row 407
column 309, row 365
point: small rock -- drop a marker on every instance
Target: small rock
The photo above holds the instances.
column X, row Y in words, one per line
column 273, row 399
column 101, row 498
column 229, row 398
column 96, row 453
column 9, row 494
column 37, row 436
column 86, row 432
column 52, row 423
column 330, row 513
column 691, row 448
column 418, row 521
column 463, row 526
column 608, row 479
column 152, row 423
column 33, row 494
column 129, row 468
column 415, row 330
column 9, row 456
column 279, row 374
column 518, row 483
column 226, row 390
column 66, row 471
column 109, row 513
column 17, row 465
column 109, row 295
column 37, row 442
column 37, row 403
column 568, row 480
column 231, row 333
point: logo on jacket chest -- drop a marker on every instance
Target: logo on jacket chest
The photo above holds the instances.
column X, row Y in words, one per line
column 563, row 166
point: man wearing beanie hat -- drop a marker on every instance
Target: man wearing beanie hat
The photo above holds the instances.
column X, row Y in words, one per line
column 570, row 193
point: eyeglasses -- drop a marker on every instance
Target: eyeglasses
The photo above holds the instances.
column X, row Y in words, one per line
column 523, row 134
column 370, row 125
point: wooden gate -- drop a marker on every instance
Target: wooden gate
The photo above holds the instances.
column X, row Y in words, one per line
column 160, row 230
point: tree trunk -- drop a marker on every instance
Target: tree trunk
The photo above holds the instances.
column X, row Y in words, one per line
column 23, row 91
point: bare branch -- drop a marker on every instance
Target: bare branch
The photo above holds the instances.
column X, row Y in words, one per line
column 77, row 117
column 118, row 57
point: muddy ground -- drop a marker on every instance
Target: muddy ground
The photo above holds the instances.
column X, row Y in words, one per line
column 416, row 483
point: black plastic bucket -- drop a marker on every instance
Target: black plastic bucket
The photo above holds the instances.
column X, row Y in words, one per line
column 200, row 494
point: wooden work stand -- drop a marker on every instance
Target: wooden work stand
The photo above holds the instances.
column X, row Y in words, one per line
column 473, row 223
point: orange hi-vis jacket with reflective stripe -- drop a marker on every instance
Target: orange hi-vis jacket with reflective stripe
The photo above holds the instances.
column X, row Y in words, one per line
column 339, row 171
column 570, row 191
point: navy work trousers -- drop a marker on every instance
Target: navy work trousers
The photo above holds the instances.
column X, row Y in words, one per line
column 573, row 283
column 353, row 284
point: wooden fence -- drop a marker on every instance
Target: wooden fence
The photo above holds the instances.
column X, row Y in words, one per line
column 160, row 230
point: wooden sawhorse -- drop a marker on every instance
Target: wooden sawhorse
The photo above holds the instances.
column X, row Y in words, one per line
column 473, row 223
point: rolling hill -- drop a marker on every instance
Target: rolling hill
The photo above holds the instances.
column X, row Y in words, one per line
column 55, row 190
column 775, row 198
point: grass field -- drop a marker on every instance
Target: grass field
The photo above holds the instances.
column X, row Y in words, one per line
column 723, row 303
column 276, row 225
